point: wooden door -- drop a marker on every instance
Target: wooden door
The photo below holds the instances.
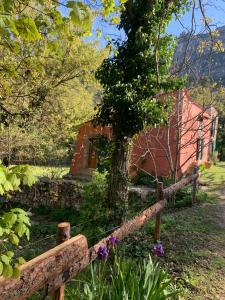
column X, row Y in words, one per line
column 92, row 158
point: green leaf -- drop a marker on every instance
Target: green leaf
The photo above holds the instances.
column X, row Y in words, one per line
column 21, row 260
column 27, row 233
column 20, row 229
column 2, row 192
column 2, row 177
column 8, row 186
column 10, row 254
column 5, row 259
column 27, row 28
column 10, row 219
column 15, row 181
column 14, row 239
column 1, row 268
column 1, row 231
column 29, row 180
column 7, row 271
column 16, row 272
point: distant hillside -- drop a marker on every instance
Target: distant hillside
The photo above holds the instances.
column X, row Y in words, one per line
column 201, row 64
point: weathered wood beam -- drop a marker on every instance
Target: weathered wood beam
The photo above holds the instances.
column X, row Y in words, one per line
column 169, row 191
column 51, row 266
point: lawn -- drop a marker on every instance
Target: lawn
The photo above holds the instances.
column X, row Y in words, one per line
column 49, row 171
column 215, row 175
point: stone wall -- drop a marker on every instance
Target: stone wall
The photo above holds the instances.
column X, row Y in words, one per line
column 51, row 193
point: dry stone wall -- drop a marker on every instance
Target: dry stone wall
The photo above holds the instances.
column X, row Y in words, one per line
column 51, row 193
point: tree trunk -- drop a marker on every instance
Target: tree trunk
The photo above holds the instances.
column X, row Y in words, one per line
column 117, row 181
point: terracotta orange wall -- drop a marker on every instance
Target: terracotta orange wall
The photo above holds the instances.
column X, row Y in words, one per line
column 154, row 149
column 85, row 132
column 189, row 133
column 150, row 151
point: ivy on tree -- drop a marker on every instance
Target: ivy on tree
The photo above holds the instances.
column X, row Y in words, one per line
column 132, row 77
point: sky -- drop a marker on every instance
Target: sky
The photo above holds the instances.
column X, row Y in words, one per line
column 214, row 9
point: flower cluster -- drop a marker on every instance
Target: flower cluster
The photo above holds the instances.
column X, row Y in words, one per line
column 103, row 251
column 158, row 249
column 113, row 241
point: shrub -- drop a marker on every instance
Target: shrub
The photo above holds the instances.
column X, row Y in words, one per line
column 94, row 212
column 143, row 178
column 125, row 279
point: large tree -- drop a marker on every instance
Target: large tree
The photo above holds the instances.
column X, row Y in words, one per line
column 132, row 78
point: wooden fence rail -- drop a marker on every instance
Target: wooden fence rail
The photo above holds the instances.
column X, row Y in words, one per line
column 55, row 267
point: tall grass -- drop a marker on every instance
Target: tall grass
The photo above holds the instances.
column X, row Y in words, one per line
column 123, row 280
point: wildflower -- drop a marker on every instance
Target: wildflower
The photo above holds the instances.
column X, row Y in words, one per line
column 102, row 253
column 158, row 249
column 113, row 241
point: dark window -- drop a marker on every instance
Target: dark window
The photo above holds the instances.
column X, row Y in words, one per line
column 200, row 128
column 213, row 126
column 200, row 149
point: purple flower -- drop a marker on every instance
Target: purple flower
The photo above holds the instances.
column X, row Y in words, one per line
column 113, row 241
column 102, row 253
column 158, row 249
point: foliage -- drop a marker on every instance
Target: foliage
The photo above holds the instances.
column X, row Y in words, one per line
column 103, row 148
column 15, row 223
column 132, row 77
column 93, row 208
column 47, row 72
column 125, row 279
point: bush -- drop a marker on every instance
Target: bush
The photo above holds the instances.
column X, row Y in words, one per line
column 94, row 212
column 125, row 279
column 143, row 178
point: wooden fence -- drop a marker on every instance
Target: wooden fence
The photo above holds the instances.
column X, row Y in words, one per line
column 52, row 269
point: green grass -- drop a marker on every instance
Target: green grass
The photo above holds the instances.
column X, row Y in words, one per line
column 194, row 241
column 51, row 172
column 216, row 174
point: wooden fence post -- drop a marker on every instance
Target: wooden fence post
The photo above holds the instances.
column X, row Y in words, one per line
column 194, row 186
column 159, row 195
column 63, row 234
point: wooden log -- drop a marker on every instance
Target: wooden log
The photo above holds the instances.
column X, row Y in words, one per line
column 169, row 191
column 160, row 197
column 63, row 234
column 51, row 266
column 129, row 227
